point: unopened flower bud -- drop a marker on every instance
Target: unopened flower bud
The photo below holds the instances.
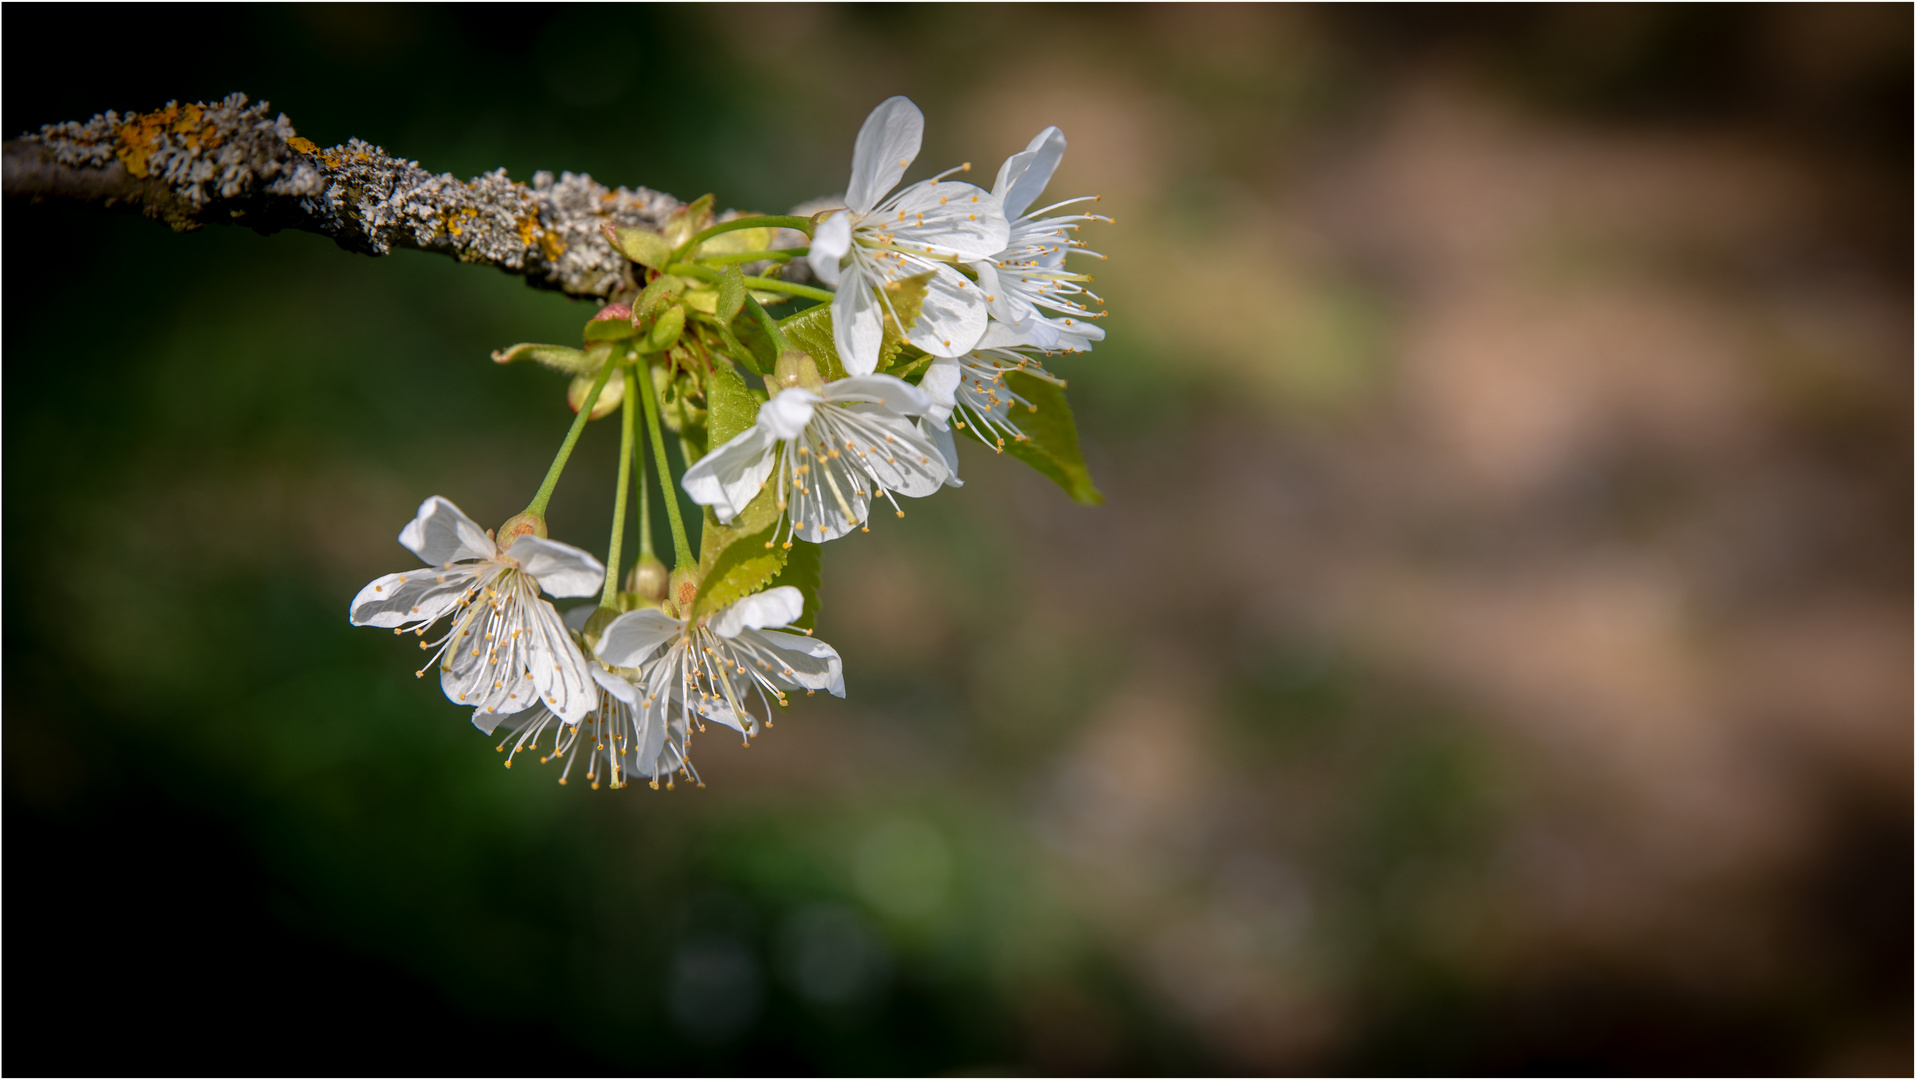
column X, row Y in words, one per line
column 526, row 524
column 648, row 579
column 797, row 369
column 609, row 396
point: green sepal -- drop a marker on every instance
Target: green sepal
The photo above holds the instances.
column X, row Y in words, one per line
column 730, row 407
column 802, row 571
column 810, row 332
column 642, row 246
column 557, row 357
column 731, row 292
column 1051, row 436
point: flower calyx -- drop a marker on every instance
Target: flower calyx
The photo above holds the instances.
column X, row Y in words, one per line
column 682, row 590
column 595, row 625
column 522, row 524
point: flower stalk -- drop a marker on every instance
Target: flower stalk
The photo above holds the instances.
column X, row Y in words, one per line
column 681, row 548
column 544, row 494
column 609, row 598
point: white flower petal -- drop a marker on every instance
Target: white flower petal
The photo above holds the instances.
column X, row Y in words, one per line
column 616, row 685
column 556, row 665
column 636, row 635
column 1024, row 175
column 831, row 239
column 886, row 146
column 910, row 465
column 940, row 436
column 940, row 384
column 717, row 710
column 441, row 534
column 415, row 598
column 890, row 391
column 488, row 722
column 786, row 415
column 953, row 318
column 727, row 478
column 560, row 569
column 1000, row 335
column 771, row 608
column 949, row 217
column 815, row 665
column 858, row 322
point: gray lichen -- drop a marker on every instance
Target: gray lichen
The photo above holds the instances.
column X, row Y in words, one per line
column 234, row 162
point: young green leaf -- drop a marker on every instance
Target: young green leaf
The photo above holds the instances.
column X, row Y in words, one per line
column 731, row 293
column 688, row 221
column 642, row 246
column 557, row 357
column 665, row 332
column 609, row 330
column 729, row 405
column 1051, row 442
column 740, row 568
column 811, row 332
column 656, row 295
column 904, row 298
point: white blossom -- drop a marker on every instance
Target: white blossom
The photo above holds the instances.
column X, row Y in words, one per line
column 708, row 668
column 927, row 227
column 1028, row 278
column 506, row 649
column 834, row 449
column 619, row 739
column 970, row 392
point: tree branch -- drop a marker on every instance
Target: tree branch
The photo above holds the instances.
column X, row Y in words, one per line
column 232, row 163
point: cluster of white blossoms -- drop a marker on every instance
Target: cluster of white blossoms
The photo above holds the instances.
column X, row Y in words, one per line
column 947, row 300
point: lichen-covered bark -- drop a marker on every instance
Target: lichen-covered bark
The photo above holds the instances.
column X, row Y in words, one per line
column 232, row 162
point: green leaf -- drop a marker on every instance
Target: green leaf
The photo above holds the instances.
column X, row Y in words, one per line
column 729, row 405
column 740, row 568
column 736, row 242
column 811, row 332
column 642, row 246
column 557, row 357
column 731, row 292
column 906, row 299
column 802, row 571
column 1051, row 436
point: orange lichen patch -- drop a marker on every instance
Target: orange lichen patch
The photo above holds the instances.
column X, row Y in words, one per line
column 144, row 133
column 552, row 244
column 529, row 229
column 140, row 136
column 303, row 145
column 453, row 221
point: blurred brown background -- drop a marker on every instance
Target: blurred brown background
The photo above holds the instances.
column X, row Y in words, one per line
column 1493, row 653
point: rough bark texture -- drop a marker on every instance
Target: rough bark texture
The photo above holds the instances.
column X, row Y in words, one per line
column 232, row 162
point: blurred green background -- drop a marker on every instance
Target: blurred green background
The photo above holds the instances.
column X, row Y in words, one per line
column 1493, row 654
